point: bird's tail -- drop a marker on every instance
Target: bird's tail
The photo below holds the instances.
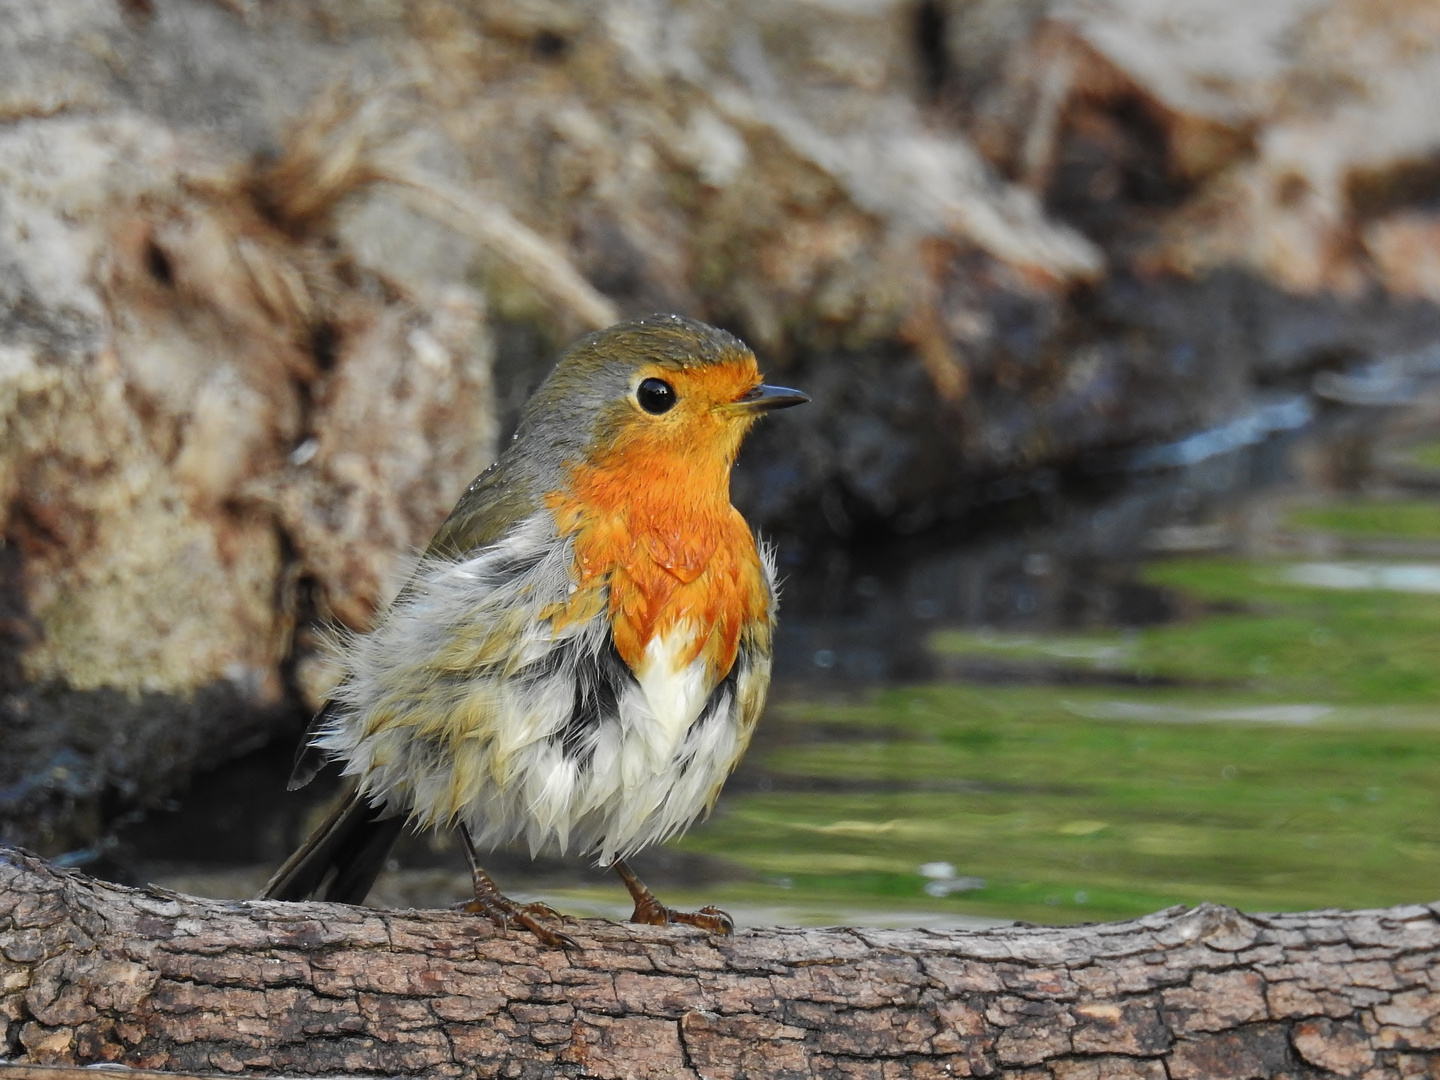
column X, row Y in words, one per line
column 342, row 858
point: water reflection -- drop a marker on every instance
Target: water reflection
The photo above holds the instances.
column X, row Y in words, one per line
column 1256, row 424
column 1179, row 714
column 1061, row 558
column 1397, row 577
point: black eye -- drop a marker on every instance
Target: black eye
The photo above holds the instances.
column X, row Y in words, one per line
column 655, row 396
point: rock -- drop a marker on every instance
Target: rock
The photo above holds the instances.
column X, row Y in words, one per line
column 218, row 423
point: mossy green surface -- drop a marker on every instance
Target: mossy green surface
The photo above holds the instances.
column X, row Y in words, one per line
column 1347, row 646
column 1293, row 762
column 1414, row 519
column 1426, row 455
column 1067, row 817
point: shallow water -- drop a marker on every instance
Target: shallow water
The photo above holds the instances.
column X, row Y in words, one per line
column 1160, row 682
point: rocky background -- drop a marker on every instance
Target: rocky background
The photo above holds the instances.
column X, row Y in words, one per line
column 275, row 277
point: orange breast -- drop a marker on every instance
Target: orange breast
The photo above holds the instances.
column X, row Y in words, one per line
column 661, row 533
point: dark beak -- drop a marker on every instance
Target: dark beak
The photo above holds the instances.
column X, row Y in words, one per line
column 764, row 398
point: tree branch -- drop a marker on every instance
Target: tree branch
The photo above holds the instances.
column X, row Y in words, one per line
column 92, row 972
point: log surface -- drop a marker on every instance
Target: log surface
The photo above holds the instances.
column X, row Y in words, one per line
column 92, row 972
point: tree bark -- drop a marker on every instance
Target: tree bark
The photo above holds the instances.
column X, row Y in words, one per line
column 92, row 972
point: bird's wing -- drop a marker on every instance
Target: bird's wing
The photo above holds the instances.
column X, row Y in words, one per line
column 464, row 663
column 495, row 503
column 490, row 507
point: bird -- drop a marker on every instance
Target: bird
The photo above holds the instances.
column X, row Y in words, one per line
column 579, row 658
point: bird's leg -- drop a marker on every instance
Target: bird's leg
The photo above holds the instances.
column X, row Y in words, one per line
column 651, row 912
column 489, row 900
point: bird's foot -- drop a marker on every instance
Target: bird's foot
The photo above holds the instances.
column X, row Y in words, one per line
column 504, row 912
column 710, row 919
column 650, row 912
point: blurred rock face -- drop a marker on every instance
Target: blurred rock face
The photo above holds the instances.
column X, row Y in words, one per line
column 258, row 261
column 220, row 424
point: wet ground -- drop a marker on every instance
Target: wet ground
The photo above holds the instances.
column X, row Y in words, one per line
column 1204, row 671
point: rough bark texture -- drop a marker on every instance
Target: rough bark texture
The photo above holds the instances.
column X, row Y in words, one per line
column 76, row 1072
column 92, row 972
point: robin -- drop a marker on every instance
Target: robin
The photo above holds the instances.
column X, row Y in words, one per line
column 580, row 657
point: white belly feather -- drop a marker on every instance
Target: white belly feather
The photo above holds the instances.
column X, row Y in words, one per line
column 675, row 692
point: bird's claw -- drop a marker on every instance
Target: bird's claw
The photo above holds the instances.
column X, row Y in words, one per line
column 710, row 919
column 502, row 911
column 547, row 935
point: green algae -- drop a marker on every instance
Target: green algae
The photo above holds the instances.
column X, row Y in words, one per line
column 1414, row 519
